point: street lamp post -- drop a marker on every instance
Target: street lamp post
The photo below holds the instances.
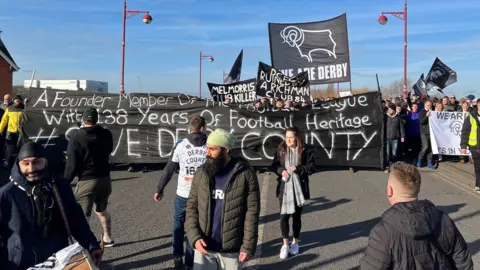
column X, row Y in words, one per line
column 402, row 16
column 147, row 19
column 211, row 59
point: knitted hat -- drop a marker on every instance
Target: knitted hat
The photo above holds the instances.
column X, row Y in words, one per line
column 18, row 97
column 31, row 149
column 221, row 138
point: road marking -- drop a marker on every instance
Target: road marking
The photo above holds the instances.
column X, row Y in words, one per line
column 451, row 180
column 261, row 226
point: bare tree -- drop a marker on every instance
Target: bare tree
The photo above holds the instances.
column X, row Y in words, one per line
column 395, row 89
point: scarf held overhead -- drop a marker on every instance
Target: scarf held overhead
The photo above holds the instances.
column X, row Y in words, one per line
column 292, row 193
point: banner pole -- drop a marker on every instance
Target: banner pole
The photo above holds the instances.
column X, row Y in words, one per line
column 378, row 83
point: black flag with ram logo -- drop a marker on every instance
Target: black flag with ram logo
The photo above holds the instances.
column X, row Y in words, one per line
column 440, row 76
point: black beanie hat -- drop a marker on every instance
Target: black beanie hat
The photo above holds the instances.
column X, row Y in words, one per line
column 31, row 149
column 18, row 97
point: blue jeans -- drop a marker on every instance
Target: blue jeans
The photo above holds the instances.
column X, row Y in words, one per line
column 180, row 207
column 392, row 149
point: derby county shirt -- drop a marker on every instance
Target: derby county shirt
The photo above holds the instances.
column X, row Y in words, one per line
column 189, row 158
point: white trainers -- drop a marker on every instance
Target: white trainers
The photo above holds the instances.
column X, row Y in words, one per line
column 294, row 249
column 284, row 252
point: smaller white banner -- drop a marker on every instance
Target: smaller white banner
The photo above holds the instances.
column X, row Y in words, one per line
column 445, row 131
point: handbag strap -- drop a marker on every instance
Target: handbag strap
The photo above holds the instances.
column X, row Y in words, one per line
column 58, row 199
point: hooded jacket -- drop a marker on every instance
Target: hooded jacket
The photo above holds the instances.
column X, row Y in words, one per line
column 88, row 154
column 197, row 140
column 395, row 126
column 467, row 127
column 416, row 235
column 241, row 209
column 12, row 118
column 22, row 243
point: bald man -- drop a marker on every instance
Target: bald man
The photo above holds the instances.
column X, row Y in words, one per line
column 413, row 234
column 3, row 108
column 6, row 101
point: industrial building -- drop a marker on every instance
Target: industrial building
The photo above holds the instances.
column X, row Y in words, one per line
column 72, row 85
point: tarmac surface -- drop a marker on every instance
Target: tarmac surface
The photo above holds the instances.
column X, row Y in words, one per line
column 336, row 221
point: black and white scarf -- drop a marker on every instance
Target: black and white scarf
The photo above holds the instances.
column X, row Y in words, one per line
column 292, row 192
column 42, row 194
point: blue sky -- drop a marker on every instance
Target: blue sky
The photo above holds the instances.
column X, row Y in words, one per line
column 73, row 39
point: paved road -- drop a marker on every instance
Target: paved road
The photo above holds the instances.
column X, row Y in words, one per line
column 336, row 222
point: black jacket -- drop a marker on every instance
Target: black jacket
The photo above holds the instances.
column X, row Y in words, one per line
column 197, row 139
column 467, row 127
column 22, row 244
column 306, row 168
column 88, row 154
column 416, row 235
column 424, row 122
column 395, row 127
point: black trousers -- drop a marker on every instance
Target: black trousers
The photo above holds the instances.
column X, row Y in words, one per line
column 12, row 149
column 296, row 222
column 476, row 164
column 426, row 149
column 413, row 145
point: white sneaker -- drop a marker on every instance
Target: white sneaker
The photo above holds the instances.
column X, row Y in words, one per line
column 284, row 252
column 294, row 249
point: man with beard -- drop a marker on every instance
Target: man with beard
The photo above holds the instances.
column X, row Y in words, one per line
column 31, row 225
column 188, row 155
column 12, row 117
column 88, row 155
column 223, row 208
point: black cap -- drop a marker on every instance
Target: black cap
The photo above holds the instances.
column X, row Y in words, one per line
column 90, row 114
column 18, row 97
column 31, row 149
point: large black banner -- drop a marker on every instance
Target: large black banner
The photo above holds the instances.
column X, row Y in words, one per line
column 345, row 132
column 238, row 92
column 272, row 83
column 320, row 48
column 440, row 76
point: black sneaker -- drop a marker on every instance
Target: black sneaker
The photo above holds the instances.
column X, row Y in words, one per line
column 178, row 264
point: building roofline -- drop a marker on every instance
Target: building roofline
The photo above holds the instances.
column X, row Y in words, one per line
column 6, row 56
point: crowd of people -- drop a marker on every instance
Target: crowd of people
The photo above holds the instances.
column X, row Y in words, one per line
column 217, row 203
column 407, row 132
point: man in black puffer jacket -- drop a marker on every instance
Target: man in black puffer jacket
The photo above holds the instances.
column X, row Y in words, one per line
column 414, row 234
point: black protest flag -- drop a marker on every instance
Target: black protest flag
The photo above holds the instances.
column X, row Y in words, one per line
column 420, row 87
column 234, row 75
column 440, row 76
column 272, row 83
column 237, row 92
